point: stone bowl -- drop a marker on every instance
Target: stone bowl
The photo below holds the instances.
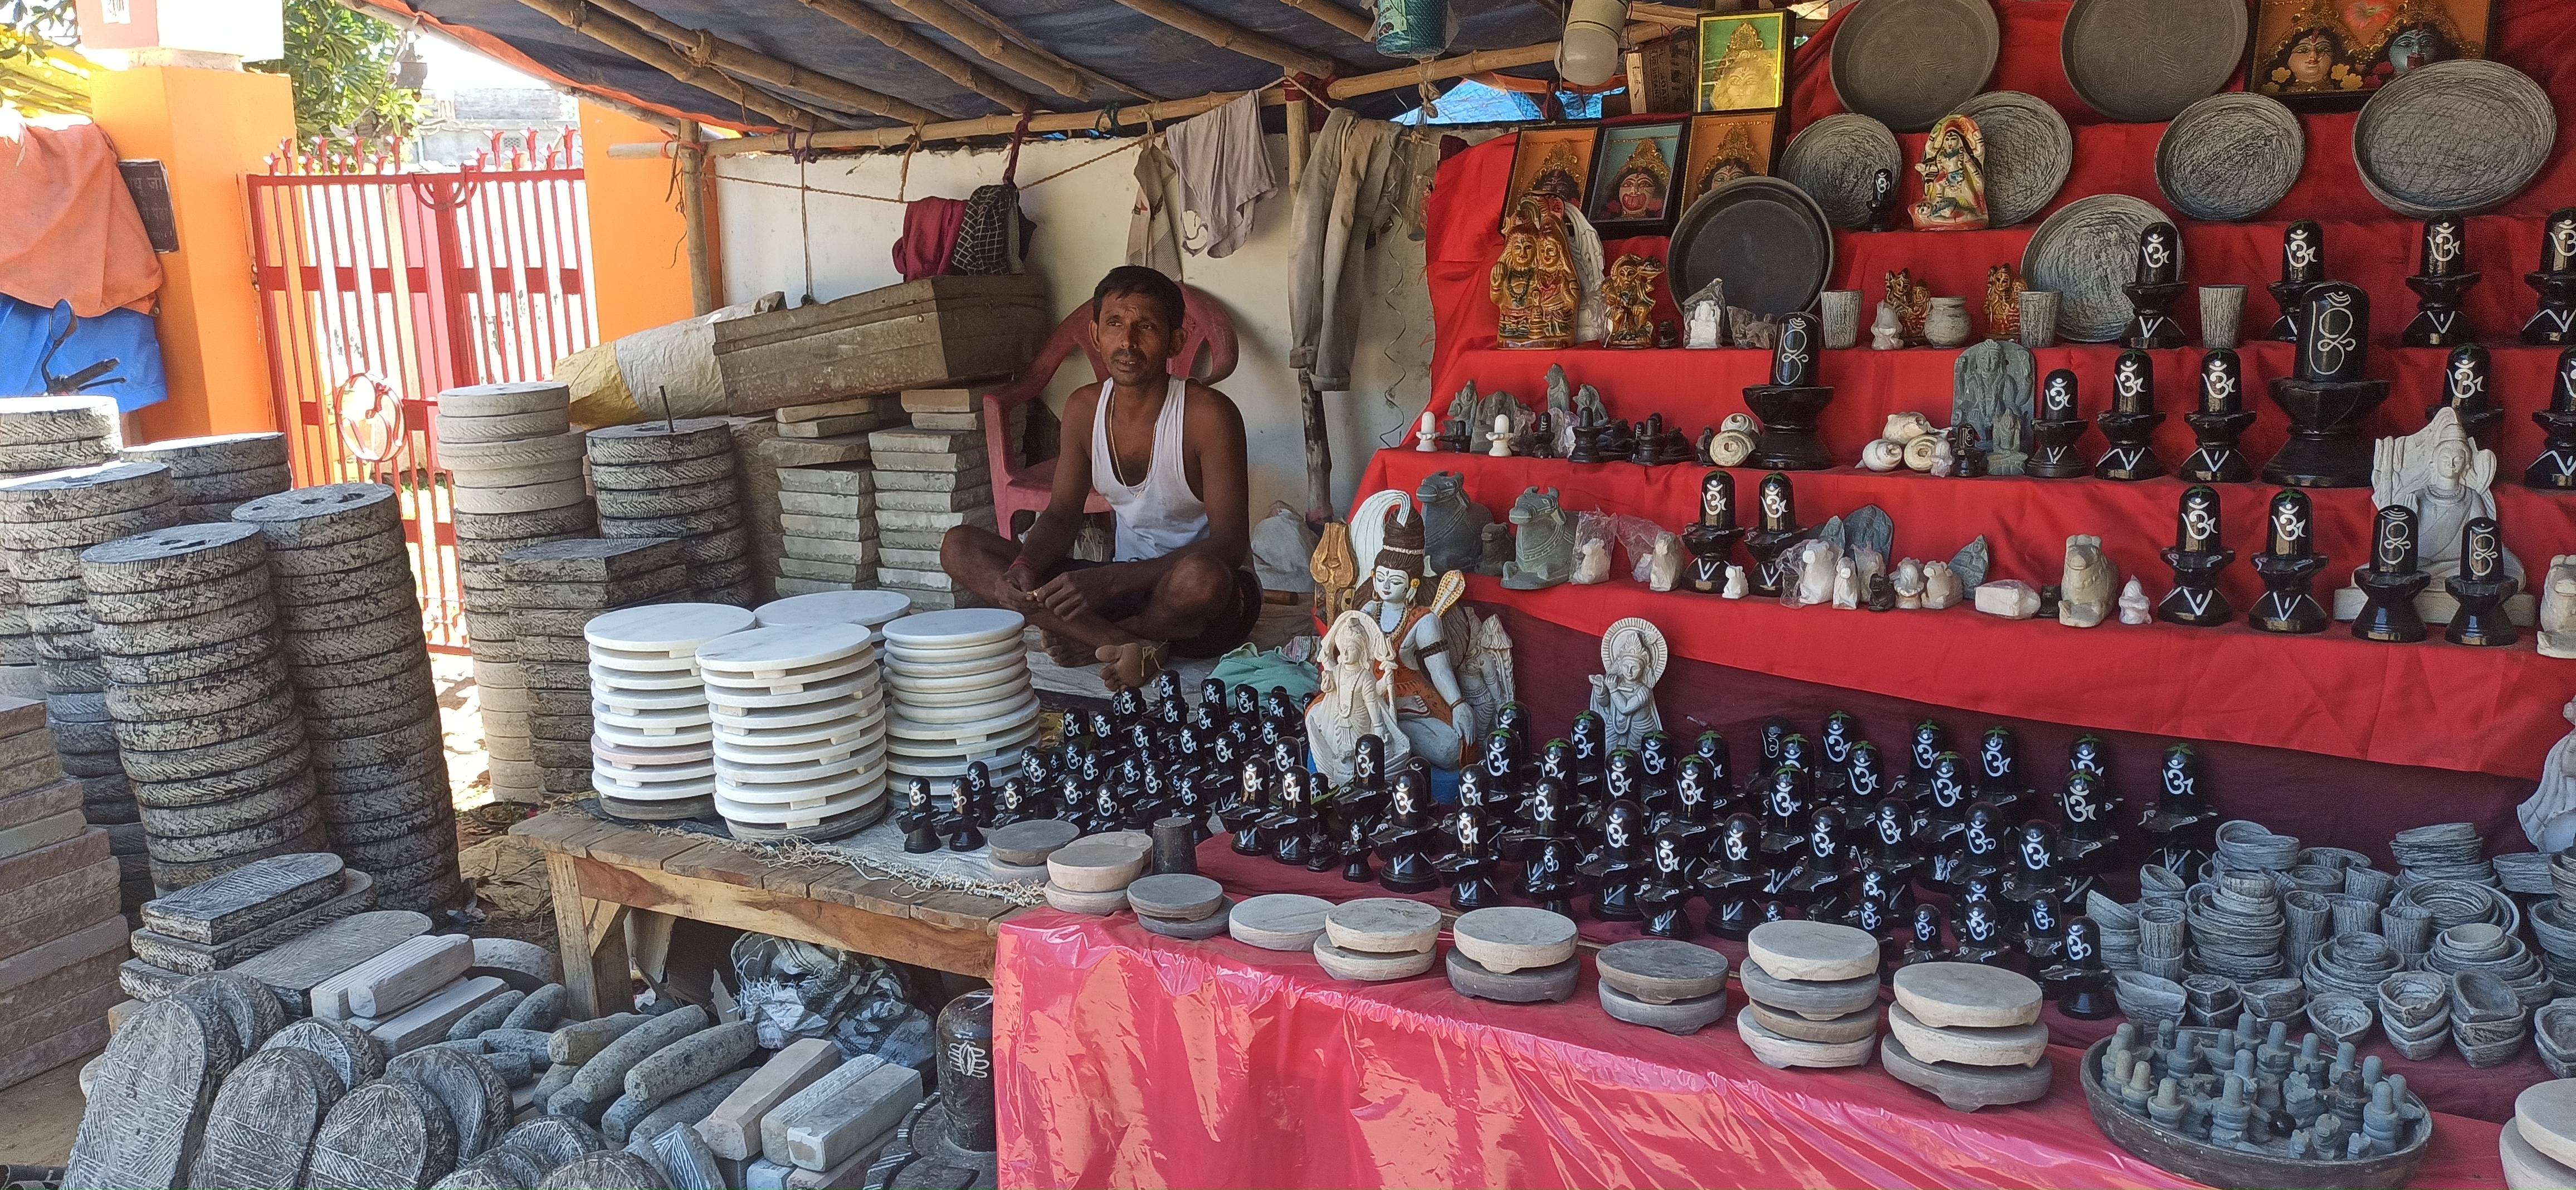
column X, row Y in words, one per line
column 2459, row 902
column 2370, row 884
column 2273, row 999
column 2469, row 1033
column 2553, row 1033
column 2555, row 926
column 2157, row 882
column 2109, row 914
column 2479, row 996
column 2418, row 1049
column 2485, row 1055
column 2352, row 964
column 2331, row 857
column 2212, row 1000
column 2147, row 999
column 2256, row 887
column 2474, row 942
column 2413, row 999
column 2212, row 1165
column 2524, row 872
column 2340, row 1018
column 2315, row 879
column 2249, row 846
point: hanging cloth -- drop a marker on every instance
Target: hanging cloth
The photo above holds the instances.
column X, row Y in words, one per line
column 1225, row 172
column 1153, row 240
column 930, row 228
column 993, row 237
column 1343, row 195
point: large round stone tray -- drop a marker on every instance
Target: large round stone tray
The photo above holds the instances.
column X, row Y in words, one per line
column 774, row 817
column 778, row 650
column 2208, row 1164
column 2028, row 153
column 2231, row 156
column 764, row 719
column 935, row 769
column 1834, row 161
column 1764, row 236
column 2084, row 253
column 670, row 629
column 1907, row 63
column 2140, row 61
column 2453, row 138
column 955, row 629
column 865, row 608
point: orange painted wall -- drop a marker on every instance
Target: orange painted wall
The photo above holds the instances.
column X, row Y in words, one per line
column 210, row 128
column 639, row 260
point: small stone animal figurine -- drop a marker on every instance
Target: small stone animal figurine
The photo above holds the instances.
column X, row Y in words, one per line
column 2085, row 590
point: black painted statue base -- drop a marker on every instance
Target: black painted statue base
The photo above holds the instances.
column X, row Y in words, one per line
column 2285, row 329
column 2480, row 622
column 2217, row 460
column 2287, row 606
column 2388, row 613
column 2054, row 455
column 2555, row 469
column 2151, row 322
column 1711, row 550
column 1767, row 547
column 1788, row 441
column 2439, row 321
column 2132, row 455
column 2326, row 447
column 2554, row 324
column 2195, row 600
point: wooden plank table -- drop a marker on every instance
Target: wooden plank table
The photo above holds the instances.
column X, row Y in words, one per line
column 607, row 876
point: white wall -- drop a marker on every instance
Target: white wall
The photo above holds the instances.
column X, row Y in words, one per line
column 1082, row 233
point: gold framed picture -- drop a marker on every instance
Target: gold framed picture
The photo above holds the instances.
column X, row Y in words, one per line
column 1743, row 60
column 1550, row 160
column 1726, row 146
column 1632, row 178
column 2330, row 55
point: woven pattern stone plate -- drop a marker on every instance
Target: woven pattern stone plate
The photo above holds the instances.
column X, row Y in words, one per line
column 1907, row 63
column 2084, row 253
column 2028, row 151
column 2453, row 138
column 2231, row 156
column 1765, row 236
column 2141, row 61
column 1833, row 161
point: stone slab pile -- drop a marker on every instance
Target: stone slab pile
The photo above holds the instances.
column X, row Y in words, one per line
column 652, row 747
column 1514, row 954
column 758, row 483
column 249, row 911
column 828, row 517
column 410, row 995
column 60, row 934
column 928, row 482
column 1968, row 1034
column 216, row 473
column 1373, row 939
column 1091, row 876
column 1813, row 992
column 675, row 480
column 206, row 718
column 827, row 1133
column 799, row 716
column 39, row 435
column 349, row 613
column 485, row 432
column 960, row 691
column 552, row 591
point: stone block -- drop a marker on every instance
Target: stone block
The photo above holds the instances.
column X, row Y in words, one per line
column 43, row 832
column 830, row 549
column 813, row 452
column 970, row 462
column 357, row 892
column 38, row 913
column 909, row 559
column 829, row 427
column 948, row 421
column 956, row 499
column 428, row 1020
column 927, row 580
column 834, row 1085
column 383, row 986
column 931, row 481
column 246, row 898
column 828, row 479
column 917, row 401
column 826, row 504
column 790, row 414
column 732, row 1127
column 27, row 971
column 911, row 521
column 913, row 539
column 795, row 525
column 926, row 600
column 843, row 573
column 807, row 586
column 919, row 441
column 830, row 1132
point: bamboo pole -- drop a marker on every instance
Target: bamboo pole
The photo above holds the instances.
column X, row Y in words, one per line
column 637, row 44
column 698, row 45
column 1297, row 140
column 1335, row 15
column 1000, row 50
column 920, row 49
column 1029, row 44
column 1226, row 35
column 693, row 215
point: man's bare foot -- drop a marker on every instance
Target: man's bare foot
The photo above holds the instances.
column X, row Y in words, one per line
column 1129, row 666
column 1066, row 653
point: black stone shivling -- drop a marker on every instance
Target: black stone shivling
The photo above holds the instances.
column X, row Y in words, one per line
column 2555, row 469
column 1887, row 204
column 2079, row 981
column 2464, row 392
column 1923, row 942
column 2197, row 556
column 2086, row 806
column 2554, row 324
column 959, row 822
column 1292, row 818
column 2303, row 264
column 2130, row 424
column 2391, row 582
column 1664, row 898
column 1998, row 778
column 1589, row 429
column 2442, row 280
column 1405, row 844
column 2181, row 829
column 1710, row 537
column 1777, row 534
column 2289, row 564
column 2218, row 422
column 2151, row 296
column 1547, row 849
column 1471, row 868
column 1733, row 877
column 2481, row 586
column 1790, row 403
column 1249, row 805
column 2059, row 427
column 919, row 820
column 2329, row 399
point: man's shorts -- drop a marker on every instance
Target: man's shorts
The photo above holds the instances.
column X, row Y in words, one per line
column 1224, row 631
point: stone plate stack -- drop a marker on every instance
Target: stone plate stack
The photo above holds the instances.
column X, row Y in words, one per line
column 1677, row 987
column 38, row 435
column 1376, row 939
column 828, row 530
column 60, row 935
column 214, row 474
column 867, row 609
column 248, row 911
column 800, row 717
column 676, row 480
column 1967, row 1033
column 1184, row 905
column 961, row 691
column 2538, row 1144
column 652, row 752
column 1515, row 954
column 45, row 523
column 928, row 482
column 482, row 429
column 204, row 711
column 552, row 591
column 350, row 611
column 1813, row 989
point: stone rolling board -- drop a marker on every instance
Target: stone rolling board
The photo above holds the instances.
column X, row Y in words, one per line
column 295, row 969
column 245, row 899
column 56, row 890
column 395, row 979
column 355, row 892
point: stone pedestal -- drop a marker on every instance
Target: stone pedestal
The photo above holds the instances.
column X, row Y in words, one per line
column 2554, row 324
column 2439, row 321
column 2326, row 447
column 2132, row 455
column 2151, row 322
column 2217, row 460
column 2055, row 456
column 1788, row 441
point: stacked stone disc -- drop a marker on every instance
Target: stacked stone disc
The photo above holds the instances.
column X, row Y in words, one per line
column 652, row 749
column 215, row 474
column 800, row 717
column 204, row 715
column 675, row 480
column 45, row 523
column 553, row 591
column 39, row 435
column 349, row 612
column 488, row 433
column 961, row 691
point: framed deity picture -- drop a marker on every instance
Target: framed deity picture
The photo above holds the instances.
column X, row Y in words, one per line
column 1724, row 147
column 1554, row 161
column 2330, row 55
column 1632, row 178
column 1743, row 60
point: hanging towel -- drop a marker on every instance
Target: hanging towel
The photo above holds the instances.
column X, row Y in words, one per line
column 929, row 234
column 1152, row 240
column 1340, row 203
column 1225, row 171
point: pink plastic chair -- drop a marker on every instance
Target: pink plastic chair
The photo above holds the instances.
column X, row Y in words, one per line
column 1204, row 325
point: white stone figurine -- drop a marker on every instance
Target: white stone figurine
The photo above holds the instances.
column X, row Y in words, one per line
column 2084, row 592
column 2549, row 816
column 1425, row 431
column 2441, row 473
column 2134, row 608
column 1501, row 437
column 1739, row 423
column 1941, row 588
column 1707, row 324
column 1485, row 673
column 1358, row 697
column 1905, row 427
column 1846, row 586
column 1666, row 567
column 1730, row 448
column 1736, row 583
column 1867, row 567
column 2558, row 608
column 2010, row 598
column 1882, row 455
column 1816, row 562
column 1887, row 330
column 1633, row 656
column 1429, row 704
column 1909, row 585
column 1944, row 460
column 1591, row 561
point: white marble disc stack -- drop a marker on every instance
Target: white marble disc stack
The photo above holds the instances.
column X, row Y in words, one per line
column 652, row 750
column 799, row 719
column 484, row 430
column 215, row 474
column 959, row 685
column 675, row 479
column 348, row 613
column 867, row 609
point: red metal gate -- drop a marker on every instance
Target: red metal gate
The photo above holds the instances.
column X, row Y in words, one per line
column 379, row 288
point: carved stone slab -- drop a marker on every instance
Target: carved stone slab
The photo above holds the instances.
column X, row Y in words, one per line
column 1383, row 925
column 387, row 1135
column 260, row 1130
column 1507, row 938
column 1969, row 995
column 1278, row 921
column 1812, row 951
column 555, row 1140
column 685, row 1160
column 476, row 1097
column 241, row 1000
column 356, row 1057
column 1661, row 970
column 396, row 979
column 245, row 898
column 611, row 1170
column 295, row 969
column 148, row 1098
column 427, row 1022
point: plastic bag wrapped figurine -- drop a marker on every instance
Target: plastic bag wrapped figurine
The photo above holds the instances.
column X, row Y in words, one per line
column 1282, row 548
column 794, row 990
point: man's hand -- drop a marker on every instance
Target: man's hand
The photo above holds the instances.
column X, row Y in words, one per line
column 1072, row 594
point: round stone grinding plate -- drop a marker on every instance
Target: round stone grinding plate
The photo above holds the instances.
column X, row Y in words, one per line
column 1526, row 985
column 1815, row 1001
column 1681, row 1018
column 1098, row 904
column 2546, row 1113
column 2140, row 61
column 2029, row 150
column 2011, row 1045
column 867, row 609
column 2231, row 156
column 1857, row 1026
column 672, row 629
column 1030, row 842
column 1780, row 1052
column 776, row 650
column 1966, row 1088
column 1091, row 867
column 1383, row 925
column 1175, row 896
column 1812, row 951
column 1279, row 921
column 1368, row 965
column 1192, row 931
column 964, row 665
column 1966, row 995
column 2525, row 1166
column 1907, row 63
column 1834, row 159
column 2453, row 138
column 1661, row 970
column 2084, row 253
column 1136, row 841
column 1764, row 236
column 955, row 629
column 1507, row 938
